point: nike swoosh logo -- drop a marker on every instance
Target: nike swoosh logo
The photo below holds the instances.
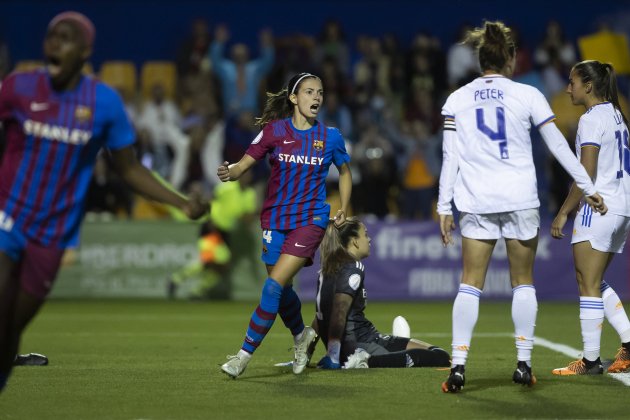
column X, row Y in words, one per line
column 289, row 142
column 39, row 106
column 300, row 246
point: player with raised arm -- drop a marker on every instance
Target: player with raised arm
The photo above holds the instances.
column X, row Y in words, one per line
column 602, row 146
column 488, row 170
column 295, row 213
column 55, row 121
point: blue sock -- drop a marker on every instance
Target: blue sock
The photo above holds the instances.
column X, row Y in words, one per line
column 291, row 310
column 263, row 317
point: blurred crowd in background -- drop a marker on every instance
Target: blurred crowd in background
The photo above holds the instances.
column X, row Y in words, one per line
column 198, row 110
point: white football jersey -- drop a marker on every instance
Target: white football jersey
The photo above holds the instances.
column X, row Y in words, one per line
column 602, row 126
column 492, row 117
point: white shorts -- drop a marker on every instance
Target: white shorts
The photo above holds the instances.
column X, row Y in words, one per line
column 518, row 224
column 606, row 233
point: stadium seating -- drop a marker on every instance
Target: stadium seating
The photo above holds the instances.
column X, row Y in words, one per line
column 163, row 72
column 120, row 75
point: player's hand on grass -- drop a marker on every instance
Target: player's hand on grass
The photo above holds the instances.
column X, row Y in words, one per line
column 327, row 363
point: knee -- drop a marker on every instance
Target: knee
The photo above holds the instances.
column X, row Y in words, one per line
column 473, row 281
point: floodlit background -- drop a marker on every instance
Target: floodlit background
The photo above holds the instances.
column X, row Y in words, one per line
column 387, row 68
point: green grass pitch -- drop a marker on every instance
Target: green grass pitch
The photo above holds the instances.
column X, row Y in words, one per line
column 124, row 359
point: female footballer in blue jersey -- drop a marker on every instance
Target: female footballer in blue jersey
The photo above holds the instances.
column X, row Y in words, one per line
column 602, row 145
column 55, row 121
column 295, row 214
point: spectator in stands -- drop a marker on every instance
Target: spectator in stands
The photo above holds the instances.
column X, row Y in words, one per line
column 332, row 44
column 420, row 106
column 371, row 71
column 241, row 76
column 192, row 57
column 554, row 56
column 461, row 64
column 335, row 114
column 428, row 46
column 419, row 171
column 240, row 129
column 333, row 76
column 211, row 153
column 161, row 118
column 524, row 59
column 107, row 195
column 374, row 155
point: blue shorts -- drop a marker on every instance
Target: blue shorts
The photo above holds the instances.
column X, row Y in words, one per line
column 12, row 243
column 300, row 242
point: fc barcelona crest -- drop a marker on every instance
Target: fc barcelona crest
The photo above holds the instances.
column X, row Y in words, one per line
column 318, row 145
column 82, row 113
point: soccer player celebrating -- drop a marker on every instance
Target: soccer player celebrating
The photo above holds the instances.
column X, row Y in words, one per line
column 55, row 121
column 602, row 146
column 488, row 169
column 294, row 214
column 348, row 335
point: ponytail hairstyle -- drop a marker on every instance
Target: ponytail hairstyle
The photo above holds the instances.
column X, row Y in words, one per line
column 494, row 45
column 333, row 249
column 603, row 81
column 278, row 105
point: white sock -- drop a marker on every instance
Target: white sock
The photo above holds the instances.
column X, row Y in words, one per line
column 465, row 314
column 524, row 310
column 615, row 313
column 242, row 354
column 296, row 338
column 591, row 319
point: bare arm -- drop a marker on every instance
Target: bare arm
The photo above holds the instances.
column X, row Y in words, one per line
column 588, row 159
column 142, row 180
column 227, row 172
column 345, row 190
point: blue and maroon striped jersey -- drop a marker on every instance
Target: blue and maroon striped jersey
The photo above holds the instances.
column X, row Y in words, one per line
column 52, row 139
column 300, row 159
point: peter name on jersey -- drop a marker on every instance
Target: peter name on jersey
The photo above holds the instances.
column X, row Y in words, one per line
column 306, row 160
column 483, row 94
column 55, row 132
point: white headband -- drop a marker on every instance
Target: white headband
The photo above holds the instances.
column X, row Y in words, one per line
column 299, row 80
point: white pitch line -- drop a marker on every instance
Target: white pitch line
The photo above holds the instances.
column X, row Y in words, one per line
column 575, row 354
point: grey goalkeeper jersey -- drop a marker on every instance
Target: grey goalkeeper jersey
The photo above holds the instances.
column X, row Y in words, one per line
column 349, row 280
